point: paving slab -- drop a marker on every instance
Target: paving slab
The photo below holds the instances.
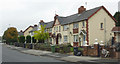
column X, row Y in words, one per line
column 78, row 58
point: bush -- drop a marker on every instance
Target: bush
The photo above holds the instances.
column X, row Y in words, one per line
column 63, row 48
column 22, row 39
column 44, row 46
column 80, row 49
column 71, row 49
column 28, row 39
column 33, row 40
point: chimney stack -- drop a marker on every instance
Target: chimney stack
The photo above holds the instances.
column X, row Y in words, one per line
column 41, row 21
column 35, row 25
column 21, row 31
column 81, row 9
column 55, row 16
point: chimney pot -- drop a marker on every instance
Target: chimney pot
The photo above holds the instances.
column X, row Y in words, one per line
column 41, row 21
column 21, row 31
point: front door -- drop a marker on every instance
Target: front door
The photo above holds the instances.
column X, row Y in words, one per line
column 57, row 40
column 82, row 40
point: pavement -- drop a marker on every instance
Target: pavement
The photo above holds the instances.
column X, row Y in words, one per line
column 64, row 57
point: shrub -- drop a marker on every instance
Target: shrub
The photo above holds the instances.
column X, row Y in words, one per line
column 28, row 39
column 22, row 39
column 71, row 49
column 80, row 49
column 63, row 48
column 33, row 40
column 44, row 46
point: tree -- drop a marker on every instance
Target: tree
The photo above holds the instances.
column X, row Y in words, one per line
column 22, row 39
column 41, row 35
column 28, row 39
column 11, row 35
column 117, row 17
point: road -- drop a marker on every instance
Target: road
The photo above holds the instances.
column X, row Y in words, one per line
column 9, row 55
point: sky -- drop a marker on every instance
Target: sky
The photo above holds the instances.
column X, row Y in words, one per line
column 23, row 13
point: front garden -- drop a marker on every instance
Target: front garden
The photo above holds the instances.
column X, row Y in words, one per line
column 63, row 48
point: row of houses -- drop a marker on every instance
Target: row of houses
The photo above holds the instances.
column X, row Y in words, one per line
column 78, row 29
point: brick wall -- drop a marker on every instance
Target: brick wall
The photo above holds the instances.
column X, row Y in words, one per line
column 91, row 51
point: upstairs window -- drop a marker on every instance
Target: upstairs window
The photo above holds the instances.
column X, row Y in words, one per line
column 83, row 24
column 59, row 28
column 101, row 25
column 75, row 25
column 55, row 29
column 65, row 27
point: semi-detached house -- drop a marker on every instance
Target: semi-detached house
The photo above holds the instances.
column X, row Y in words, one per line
column 86, row 25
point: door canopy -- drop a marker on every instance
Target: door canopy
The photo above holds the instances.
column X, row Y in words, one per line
column 82, row 32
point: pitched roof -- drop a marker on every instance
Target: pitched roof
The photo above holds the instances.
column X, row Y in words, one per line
column 20, row 33
column 28, row 28
column 116, row 29
column 48, row 24
column 42, row 23
column 79, row 17
column 76, row 17
column 35, row 28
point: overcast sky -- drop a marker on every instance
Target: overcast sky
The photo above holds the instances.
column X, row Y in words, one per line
column 23, row 13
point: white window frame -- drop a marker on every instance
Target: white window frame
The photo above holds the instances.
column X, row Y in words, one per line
column 76, row 39
column 59, row 28
column 83, row 24
column 65, row 38
column 75, row 25
column 65, row 27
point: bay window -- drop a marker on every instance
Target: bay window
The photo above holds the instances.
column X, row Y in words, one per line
column 75, row 38
column 65, row 38
column 65, row 27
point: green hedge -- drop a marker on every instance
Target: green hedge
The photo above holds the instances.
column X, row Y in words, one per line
column 28, row 39
column 33, row 40
column 22, row 39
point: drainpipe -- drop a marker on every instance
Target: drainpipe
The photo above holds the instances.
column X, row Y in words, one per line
column 105, row 31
